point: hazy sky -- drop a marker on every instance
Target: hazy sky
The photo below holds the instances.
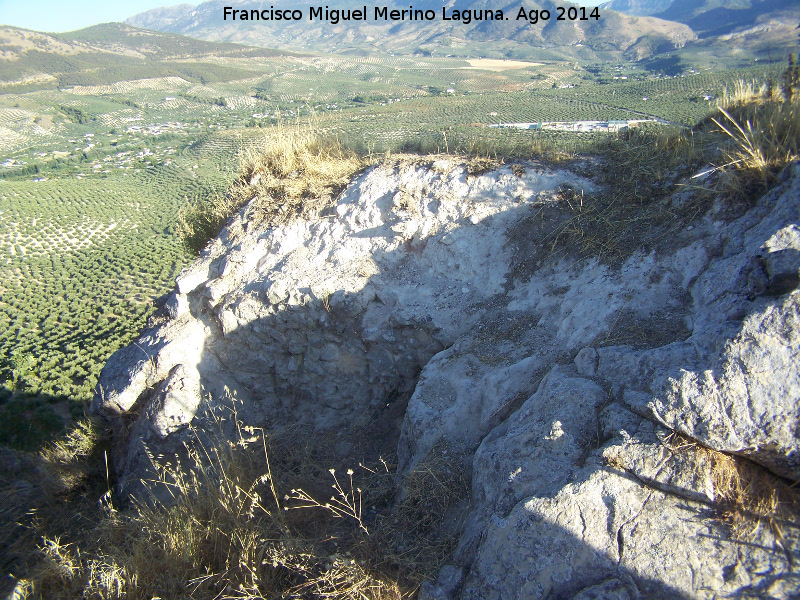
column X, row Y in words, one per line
column 68, row 15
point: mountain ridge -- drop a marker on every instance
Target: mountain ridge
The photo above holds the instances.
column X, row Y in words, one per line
column 720, row 17
column 709, row 18
column 612, row 35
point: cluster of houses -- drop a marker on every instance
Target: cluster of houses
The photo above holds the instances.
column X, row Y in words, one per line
column 577, row 126
column 156, row 129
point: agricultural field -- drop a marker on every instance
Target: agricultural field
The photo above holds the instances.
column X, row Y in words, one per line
column 94, row 170
column 83, row 257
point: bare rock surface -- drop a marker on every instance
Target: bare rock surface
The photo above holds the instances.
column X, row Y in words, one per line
column 734, row 384
column 539, row 446
column 558, row 381
column 175, row 401
column 608, row 526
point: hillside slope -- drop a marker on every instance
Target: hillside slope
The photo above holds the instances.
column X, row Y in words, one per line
column 113, row 52
column 719, row 17
column 727, row 29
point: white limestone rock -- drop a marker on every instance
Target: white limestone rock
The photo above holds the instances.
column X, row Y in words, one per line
column 420, row 286
column 175, row 401
column 608, row 526
column 734, row 385
column 536, row 450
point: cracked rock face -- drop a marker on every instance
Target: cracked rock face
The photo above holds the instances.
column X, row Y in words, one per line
column 175, row 401
column 557, row 384
column 609, row 527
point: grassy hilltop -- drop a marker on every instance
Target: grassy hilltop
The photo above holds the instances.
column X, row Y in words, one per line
column 249, row 521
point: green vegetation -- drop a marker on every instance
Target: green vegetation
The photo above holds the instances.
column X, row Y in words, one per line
column 67, row 300
column 76, row 114
column 84, row 258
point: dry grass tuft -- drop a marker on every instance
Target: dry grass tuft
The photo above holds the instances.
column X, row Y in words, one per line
column 750, row 497
column 764, row 137
column 67, row 461
column 757, row 134
column 408, row 540
column 432, row 489
column 750, row 138
column 479, row 165
column 747, row 495
column 293, row 173
column 296, row 172
column 644, row 163
column 243, row 522
column 48, row 495
column 744, row 93
column 201, row 219
column 414, row 539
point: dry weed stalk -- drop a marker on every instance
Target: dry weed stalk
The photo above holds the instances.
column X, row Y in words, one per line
column 343, row 504
column 226, row 534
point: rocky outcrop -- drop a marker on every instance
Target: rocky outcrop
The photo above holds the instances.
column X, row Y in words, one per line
column 558, row 381
column 734, row 384
column 608, row 536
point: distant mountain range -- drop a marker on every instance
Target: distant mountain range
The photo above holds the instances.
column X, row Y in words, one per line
column 188, row 41
column 641, row 8
column 614, row 34
column 712, row 17
column 722, row 17
column 627, row 29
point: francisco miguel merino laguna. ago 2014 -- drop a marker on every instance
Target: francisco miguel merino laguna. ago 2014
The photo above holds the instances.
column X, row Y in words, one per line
column 384, row 13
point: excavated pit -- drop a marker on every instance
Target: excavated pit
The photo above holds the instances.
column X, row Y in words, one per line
column 328, row 324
